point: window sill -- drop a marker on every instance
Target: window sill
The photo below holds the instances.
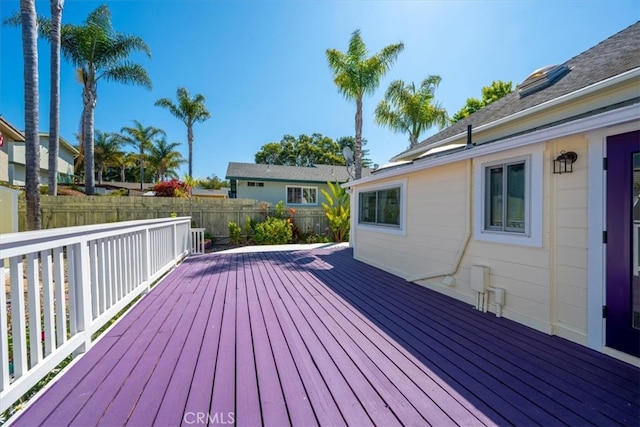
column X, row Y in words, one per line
column 520, row 239
column 398, row 231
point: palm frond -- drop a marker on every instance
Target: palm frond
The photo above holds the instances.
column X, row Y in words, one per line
column 128, row 73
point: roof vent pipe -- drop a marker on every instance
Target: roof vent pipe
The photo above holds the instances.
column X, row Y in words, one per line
column 469, row 142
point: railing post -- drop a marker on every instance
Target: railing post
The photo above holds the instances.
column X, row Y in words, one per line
column 82, row 286
column 4, row 347
column 146, row 257
column 175, row 240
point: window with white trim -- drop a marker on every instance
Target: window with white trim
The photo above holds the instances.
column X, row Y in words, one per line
column 302, row 195
column 255, row 184
column 380, row 207
column 508, row 196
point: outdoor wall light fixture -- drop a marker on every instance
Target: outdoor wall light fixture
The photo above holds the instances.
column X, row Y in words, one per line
column 564, row 162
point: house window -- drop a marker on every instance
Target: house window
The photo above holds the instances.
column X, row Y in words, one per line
column 509, row 196
column 255, row 184
column 302, row 195
column 380, row 207
column 506, row 198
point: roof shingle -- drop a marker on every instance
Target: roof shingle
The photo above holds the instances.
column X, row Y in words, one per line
column 617, row 54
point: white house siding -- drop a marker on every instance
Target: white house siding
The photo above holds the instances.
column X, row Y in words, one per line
column 570, row 234
column 436, row 201
column 546, row 286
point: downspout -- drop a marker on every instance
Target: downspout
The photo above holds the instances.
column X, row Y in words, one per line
column 465, row 241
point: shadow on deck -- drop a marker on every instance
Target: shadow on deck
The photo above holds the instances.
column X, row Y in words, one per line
column 315, row 337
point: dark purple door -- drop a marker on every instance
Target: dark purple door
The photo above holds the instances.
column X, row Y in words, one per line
column 623, row 243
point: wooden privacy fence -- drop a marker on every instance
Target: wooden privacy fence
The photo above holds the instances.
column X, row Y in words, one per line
column 213, row 215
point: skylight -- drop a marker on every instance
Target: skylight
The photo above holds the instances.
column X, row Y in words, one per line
column 542, row 78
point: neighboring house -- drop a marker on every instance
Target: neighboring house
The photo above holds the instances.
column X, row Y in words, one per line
column 8, row 135
column 13, row 151
column 561, row 251
column 296, row 186
column 222, row 193
column 107, row 187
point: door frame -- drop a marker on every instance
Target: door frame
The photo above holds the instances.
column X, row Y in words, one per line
column 597, row 199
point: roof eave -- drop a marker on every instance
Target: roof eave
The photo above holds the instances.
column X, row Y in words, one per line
column 603, row 84
column 621, row 115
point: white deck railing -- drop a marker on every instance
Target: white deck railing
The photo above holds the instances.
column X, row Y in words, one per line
column 67, row 283
column 197, row 240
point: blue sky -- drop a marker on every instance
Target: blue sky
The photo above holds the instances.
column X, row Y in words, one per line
column 261, row 64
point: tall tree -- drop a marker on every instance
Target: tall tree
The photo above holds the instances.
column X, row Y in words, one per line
column 411, row 110
column 301, row 151
column 141, row 137
column 32, row 139
column 190, row 111
column 99, row 52
column 350, row 141
column 54, row 101
column 491, row 93
column 164, row 159
column 107, row 152
column 355, row 75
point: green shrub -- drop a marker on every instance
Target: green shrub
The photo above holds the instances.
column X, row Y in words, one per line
column 279, row 210
column 273, row 231
column 338, row 211
column 235, row 233
column 249, row 227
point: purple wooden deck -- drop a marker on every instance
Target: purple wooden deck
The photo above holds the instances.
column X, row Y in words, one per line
column 316, row 338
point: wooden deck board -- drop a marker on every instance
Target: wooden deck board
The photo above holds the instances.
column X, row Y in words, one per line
column 544, row 376
column 392, row 362
column 316, row 338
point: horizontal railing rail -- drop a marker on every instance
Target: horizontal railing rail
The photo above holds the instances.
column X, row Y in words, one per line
column 63, row 285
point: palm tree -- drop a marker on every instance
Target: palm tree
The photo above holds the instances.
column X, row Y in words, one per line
column 141, row 138
column 124, row 162
column 106, row 151
column 164, row 159
column 54, row 101
column 356, row 75
column 190, row 111
column 32, row 139
column 99, row 52
column 411, row 110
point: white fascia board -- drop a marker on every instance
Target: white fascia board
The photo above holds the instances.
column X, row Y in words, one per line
column 627, row 75
column 610, row 118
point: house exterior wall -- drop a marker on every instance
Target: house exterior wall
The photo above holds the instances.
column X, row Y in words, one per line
column 545, row 284
column 8, row 210
column 274, row 191
column 4, row 162
column 17, row 168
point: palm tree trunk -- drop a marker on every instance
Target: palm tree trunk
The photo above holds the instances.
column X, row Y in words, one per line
column 54, row 106
column 122, row 170
column 89, row 99
column 32, row 140
column 190, row 141
column 413, row 140
column 141, row 166
column 358, row 142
